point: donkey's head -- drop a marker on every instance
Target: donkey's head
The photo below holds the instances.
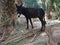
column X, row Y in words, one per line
column 19, row 10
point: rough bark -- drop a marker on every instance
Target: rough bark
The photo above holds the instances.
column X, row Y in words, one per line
column 8, row 17
column 0, row 8
column 51, row 40
column 48, row 9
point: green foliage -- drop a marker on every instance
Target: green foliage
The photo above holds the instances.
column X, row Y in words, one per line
column 30, row 3
column 40, row 43
column 16, row 43
column 41, row 3
column 55, row 5
column 34, row 3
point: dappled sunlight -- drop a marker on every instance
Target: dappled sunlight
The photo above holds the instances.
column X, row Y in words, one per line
column 34, row 13
column 43, row 34
column 39, row 1
column 37, row 24
column 22, row 31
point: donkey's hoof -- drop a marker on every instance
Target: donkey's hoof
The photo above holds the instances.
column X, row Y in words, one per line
column 27, row 28
column 42, row 30
column 32, row 27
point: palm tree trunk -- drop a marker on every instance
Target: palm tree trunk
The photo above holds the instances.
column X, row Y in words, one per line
column 8, row 17
column 0, row 8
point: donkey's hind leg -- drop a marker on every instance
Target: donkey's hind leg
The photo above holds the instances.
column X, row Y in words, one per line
column 43, row 24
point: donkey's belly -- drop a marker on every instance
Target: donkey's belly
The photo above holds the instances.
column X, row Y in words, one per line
column 33, row 16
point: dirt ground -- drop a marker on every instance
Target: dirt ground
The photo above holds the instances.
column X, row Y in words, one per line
column 55, row 26
column 42, row 38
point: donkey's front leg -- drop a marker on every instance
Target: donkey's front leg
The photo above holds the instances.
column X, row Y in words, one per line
column 31, row 23
column 27, row 23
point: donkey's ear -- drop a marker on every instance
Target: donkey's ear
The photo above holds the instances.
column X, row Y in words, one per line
column 16, row 5
column 21, row 4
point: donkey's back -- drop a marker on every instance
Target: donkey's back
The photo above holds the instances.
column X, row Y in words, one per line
column 33, row 12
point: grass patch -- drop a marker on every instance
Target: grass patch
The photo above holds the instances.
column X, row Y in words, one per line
column 40, row 43
column 16, row 43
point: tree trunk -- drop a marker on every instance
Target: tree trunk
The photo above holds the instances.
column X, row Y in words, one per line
column 0, row 9
column 48, row 9
column 8, row 18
